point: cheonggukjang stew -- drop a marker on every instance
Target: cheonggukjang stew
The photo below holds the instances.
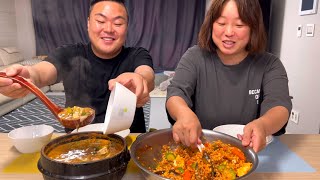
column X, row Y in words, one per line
column 84, row 155
column 85, row 150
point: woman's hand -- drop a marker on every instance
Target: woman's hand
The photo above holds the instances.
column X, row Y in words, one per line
column 255, row 132
column 254, row 135
column 135, row 83
column 10, row 89
column 187, row 129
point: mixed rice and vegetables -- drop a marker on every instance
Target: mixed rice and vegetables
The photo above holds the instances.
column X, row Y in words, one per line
column 217, row 161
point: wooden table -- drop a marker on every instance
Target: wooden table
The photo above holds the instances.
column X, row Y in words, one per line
column 305, row 146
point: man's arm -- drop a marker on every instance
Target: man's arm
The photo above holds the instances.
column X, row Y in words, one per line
column 141, row 82
column 43, row 73
column 148, row 74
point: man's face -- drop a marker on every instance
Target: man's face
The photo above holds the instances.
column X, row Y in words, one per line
column 107, row 28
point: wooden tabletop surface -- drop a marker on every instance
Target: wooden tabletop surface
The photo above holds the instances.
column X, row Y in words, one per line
column 305, row 146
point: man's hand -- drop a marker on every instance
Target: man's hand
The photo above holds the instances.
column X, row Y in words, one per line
column 135, row 83
column 14, row 90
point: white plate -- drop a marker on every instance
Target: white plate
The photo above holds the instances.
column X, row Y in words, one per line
column 98, row 127
column 234, row 129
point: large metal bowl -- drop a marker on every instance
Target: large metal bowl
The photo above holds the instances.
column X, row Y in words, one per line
column 146, row 150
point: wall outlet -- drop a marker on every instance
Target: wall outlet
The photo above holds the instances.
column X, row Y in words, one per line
column 299, row 31
column 294, row 116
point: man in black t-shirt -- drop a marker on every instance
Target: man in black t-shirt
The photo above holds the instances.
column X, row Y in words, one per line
column 89, row 71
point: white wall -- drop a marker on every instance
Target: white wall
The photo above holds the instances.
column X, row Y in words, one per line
column 301, row 58
column 16, row 26
column 8, row 27
column 25, row 31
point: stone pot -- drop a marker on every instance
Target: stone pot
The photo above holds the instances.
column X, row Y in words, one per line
column 108, row 168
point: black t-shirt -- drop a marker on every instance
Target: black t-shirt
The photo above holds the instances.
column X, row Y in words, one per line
column 85, row 76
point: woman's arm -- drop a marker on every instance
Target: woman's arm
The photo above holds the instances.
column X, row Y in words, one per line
column 275, row 107
column 187, row 128
column 274, row 119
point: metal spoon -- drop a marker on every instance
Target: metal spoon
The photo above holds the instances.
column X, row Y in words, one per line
column 206, row 157
column 205, row 154
column 56, row 110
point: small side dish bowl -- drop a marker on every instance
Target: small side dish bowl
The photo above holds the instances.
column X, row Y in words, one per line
column 30, row 139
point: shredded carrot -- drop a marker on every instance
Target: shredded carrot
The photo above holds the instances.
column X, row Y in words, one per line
column 186, row 175
column 206, row 144
column 238, row 152
column 189, row 162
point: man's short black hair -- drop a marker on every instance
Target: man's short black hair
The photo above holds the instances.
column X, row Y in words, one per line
column 93, row 2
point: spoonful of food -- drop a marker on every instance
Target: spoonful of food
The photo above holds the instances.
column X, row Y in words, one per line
column 70, row 117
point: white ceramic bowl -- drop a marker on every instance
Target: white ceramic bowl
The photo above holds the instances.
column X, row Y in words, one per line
column 30, row 139
column 99, row 127
column 234, row 129
column 120, row 110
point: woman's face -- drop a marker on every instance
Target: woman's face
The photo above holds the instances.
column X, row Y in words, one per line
column 230, row 34
column 107, row 28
